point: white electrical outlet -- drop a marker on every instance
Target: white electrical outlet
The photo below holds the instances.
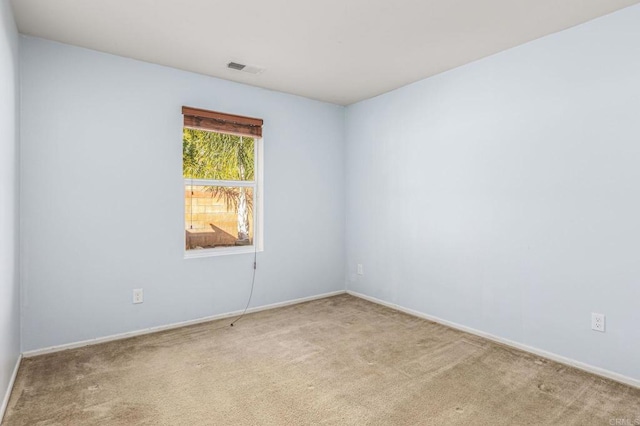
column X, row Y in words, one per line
column 597, row 322
column 137, row 295
column 360, row 269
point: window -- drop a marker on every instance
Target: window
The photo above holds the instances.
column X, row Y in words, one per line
column 220, row 168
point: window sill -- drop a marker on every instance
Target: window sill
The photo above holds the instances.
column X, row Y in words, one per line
column 222, row 251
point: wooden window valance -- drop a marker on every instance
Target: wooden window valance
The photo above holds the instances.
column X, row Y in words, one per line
column 201, row 119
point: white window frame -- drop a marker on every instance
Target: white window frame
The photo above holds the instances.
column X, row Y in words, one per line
column 257, row 185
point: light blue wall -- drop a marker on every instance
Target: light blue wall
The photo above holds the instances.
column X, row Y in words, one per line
column 504, row 195
column 9, row 282
column 102, row 196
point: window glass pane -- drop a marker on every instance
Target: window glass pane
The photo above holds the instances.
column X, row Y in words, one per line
column 218, row 156
column 218, row 216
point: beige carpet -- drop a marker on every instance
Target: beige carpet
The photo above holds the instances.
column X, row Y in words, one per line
column 340, row 360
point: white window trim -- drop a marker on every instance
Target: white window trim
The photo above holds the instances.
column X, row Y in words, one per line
column 258, row 210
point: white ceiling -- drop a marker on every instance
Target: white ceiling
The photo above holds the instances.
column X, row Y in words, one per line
column 340, row 51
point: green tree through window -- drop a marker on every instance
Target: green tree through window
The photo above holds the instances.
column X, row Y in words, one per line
column 222, row 157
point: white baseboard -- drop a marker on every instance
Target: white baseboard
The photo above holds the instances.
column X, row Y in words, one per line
column 5, row 401
column 58, row 348
column 540, row 352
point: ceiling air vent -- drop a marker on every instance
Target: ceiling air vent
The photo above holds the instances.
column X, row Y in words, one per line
column 236, row 66
column 251, row 69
